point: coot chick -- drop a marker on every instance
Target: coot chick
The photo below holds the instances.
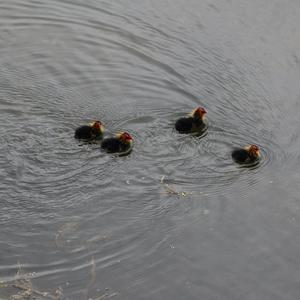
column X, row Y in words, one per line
column 192, row 123
column 122, row 143
column 249, row 155
column 90, row 132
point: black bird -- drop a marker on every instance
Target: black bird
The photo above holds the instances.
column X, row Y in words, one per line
column 249, row 155
column 122, row 143
column 92, row 131
column 193, row 123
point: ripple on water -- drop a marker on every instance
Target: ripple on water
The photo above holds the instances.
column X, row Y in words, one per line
column 88, row 63
column 198, row 162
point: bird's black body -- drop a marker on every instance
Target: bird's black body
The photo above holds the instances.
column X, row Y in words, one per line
column 88, row 133
column 114, row 145
column 189, row 125
column 242, row 156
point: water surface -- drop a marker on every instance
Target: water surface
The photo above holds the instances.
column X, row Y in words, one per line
column 176, row 219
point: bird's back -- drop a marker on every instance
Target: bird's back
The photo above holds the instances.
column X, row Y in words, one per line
column 184, row 125
column 111, row 145
column 83, row 132
column 240, row 155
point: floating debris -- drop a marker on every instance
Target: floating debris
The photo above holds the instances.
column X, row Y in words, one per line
column 22, row 288
column 172, row 190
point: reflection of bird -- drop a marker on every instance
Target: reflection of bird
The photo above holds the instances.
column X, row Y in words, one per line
column 193, row 123
column 122, row 143
column 250, row 154
column 89, row 132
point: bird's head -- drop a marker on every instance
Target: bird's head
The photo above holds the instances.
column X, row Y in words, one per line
column 198, row 113
column 124, row 137
column 253, row 150
column 98, row 126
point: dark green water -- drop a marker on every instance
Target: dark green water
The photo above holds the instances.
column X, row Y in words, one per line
column 96, row 226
